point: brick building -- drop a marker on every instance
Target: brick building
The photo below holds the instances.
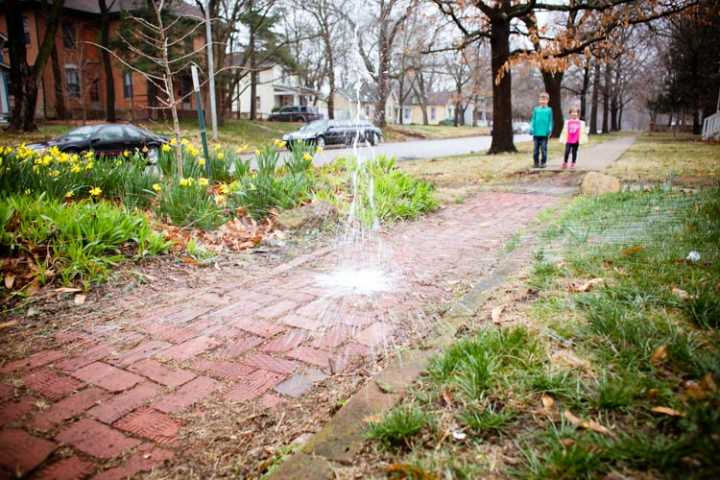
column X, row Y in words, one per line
column 77, row 70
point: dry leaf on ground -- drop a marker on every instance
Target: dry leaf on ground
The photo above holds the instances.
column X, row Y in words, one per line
column 79, row 299
column 585, row 286
column 67, row 290
column 667, row 411
column 496, row 312
column 548, row 402
column 8, row 324
column 632, row 250
column 660, row 355
column 9, row 281
column 586, row 424
column 680, row 293
column 568, row 358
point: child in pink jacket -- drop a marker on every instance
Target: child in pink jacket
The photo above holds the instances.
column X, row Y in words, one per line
column 573, row 134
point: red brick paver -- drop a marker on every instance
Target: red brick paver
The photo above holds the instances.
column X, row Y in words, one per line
column 50, row 384
column 150, row 424
column 108, row 377
column 143, row 461
column 157, row 372
column 70, row 468
column 119, row 405
column 68, row 408
column 187, row 395
column 21, row 452
column 13, row 411
column 96, row 439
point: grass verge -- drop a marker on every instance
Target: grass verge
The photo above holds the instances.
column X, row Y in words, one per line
column 606, row 369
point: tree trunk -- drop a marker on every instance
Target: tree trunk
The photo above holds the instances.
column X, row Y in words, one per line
column 620, row 117
column 331, row 78
column 584, row 91
column 614, row 108
column 382, row 76
column 502, row 134
column 553, row 86
column 253, row 75
column 110, row 114
column 606, row 100
column 595, row 99
column 60, row 113
column 24, row 79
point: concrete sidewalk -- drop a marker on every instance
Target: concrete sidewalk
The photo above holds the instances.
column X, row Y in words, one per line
column 597, row 157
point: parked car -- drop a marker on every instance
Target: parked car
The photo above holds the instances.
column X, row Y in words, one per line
column 295, row 114
column 336, row 132
column 521, row 127
column 109, row 139
column 448, row 122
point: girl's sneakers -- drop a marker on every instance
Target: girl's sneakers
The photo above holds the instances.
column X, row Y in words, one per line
column 564, row 165
column 572, row 166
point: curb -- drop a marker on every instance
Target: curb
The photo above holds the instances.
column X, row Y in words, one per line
column 343, row 436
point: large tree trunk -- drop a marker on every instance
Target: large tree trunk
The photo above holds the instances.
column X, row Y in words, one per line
column 606, row 99
column 502, row 134
column 595, row 99
column 382, row 77
column 553, row 86
column 584, row 90
column 60, row 113
column 331, row 79
column 110, row 114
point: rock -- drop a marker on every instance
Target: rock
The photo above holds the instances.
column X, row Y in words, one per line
column 308, row 217
column 596, row 183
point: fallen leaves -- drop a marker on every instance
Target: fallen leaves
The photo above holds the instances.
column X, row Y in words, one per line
column 659, row 356
column 680, row 293
column 701, row 390
column 405, row 470
column 79, row 299
column 9, row 281
column 8, row 324
column 634, row 250
column 585, row 286
column 586, row 424
column 495, row 314
column 569, row 359
column 667, row 411
column 548, row 403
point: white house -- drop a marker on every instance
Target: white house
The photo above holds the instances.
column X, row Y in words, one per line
column 4, row 72
column 361, row 103
column 276, row 87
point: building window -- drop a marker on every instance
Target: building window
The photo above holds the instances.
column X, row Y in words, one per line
column 257, row 103
column 72, row 80
column 95, row 91
column 406, row 113
column 127, row 84
column 26, row 30
column 432, row 113
column 68, row 35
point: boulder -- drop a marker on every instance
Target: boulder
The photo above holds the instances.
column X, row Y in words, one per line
column 308, row 217
column 595, row 183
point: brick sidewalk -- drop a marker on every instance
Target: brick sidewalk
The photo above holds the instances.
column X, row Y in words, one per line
column 107, row 399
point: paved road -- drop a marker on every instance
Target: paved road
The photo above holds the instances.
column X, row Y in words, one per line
column 416, row 148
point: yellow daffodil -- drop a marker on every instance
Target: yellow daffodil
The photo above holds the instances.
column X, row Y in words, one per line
column 224, row 189
column 203, row 182
column 257, row 151
column 126, row 153
column 201, row 162
column 95, row 191
column 28, row 191
column 280, row 144
column 184, row 182
column 156, row 187
column 307, row 157
column 165, row 148
column 54, row 173
column 89, row 166
column 318, row 150
column 75, row 168
column 173, row 142
column 118, row 162
column 70, row 194
column 220, row 200
column 184, row 141
column 220, row 156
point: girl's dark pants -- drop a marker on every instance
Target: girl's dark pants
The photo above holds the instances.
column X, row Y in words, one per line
column 539, row 147
column 571, row 148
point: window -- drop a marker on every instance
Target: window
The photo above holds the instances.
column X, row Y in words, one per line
column 95, row 91
column 68, row 35
column 257, row 103
column 406, row 113
column 112, row 133
column 26, row 30
column 132, row 133
column 72, row 80
column 127, row 84
column 432, row 113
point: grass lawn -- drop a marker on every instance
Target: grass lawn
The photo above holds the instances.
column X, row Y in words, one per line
column 655, row 156
column 394, row 133
column 457, row 174
column 233, row 133
column 604, row 363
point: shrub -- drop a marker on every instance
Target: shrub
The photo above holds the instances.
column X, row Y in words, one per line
column 188, row 203
column 78, row 241
column 399, row 425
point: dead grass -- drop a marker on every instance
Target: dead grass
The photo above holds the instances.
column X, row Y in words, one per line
column 431, row 132
column 655, row 156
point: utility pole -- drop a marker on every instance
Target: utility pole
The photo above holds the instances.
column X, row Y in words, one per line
column 211, row 71
column 201, row 117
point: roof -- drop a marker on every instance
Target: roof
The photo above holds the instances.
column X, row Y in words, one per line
column 178, row 7
column 237, row 59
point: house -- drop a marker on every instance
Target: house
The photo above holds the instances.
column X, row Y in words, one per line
column 361, row 102
column 276, row 87
column 441, row 106
column 77, row 75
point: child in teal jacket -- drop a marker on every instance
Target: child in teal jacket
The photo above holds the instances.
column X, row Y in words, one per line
column 541, row 127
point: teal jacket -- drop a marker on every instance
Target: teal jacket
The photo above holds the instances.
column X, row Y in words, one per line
column 541, row 123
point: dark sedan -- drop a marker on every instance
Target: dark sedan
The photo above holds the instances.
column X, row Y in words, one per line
column 295, row 114
column 106, row 140
column 336, row 132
